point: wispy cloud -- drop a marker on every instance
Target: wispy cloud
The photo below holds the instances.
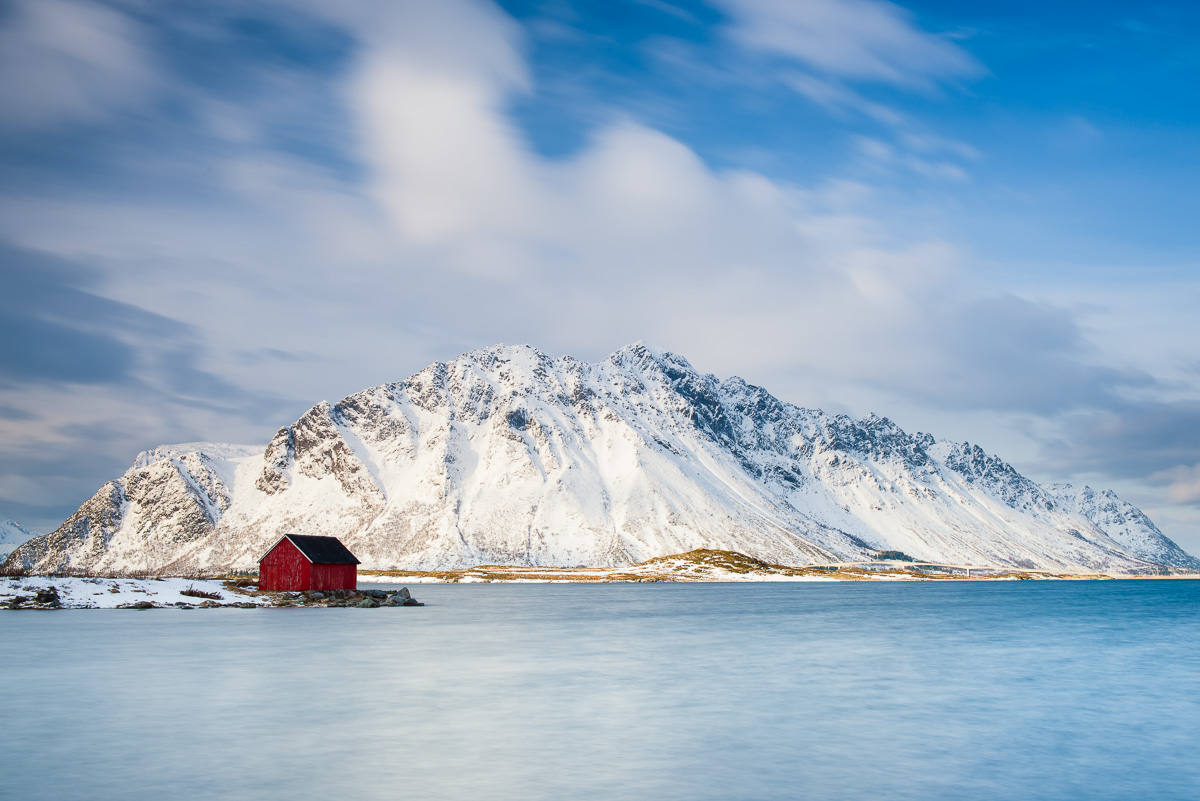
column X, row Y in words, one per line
column 859, row 40
column 831, row 51
column 70, row 62
column 837, row 98
column 892, row 156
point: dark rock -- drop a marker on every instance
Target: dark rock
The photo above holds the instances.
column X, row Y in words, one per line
column 140, row 605
column 48, row 597
column 401, row 597
column 369, row 603
column 378, row 595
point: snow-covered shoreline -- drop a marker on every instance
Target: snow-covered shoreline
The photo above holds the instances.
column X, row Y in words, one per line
column 137, row 593
column 48, row 592
column 118, row 593
column 134, row 593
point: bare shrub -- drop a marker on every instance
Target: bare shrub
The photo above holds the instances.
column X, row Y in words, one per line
column 195, row 593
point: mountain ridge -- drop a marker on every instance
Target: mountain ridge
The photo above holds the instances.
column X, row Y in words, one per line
column 13, row 535
column 506, row 456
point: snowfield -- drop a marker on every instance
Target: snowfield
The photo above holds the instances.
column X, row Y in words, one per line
column 107, row 593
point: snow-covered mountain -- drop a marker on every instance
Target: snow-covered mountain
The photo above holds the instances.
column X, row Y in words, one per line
column 506, row 456
column 13, row 534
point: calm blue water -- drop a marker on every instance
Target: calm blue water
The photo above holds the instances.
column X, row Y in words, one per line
column 1029, row 690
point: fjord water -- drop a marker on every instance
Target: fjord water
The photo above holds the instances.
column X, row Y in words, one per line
column 950, row 690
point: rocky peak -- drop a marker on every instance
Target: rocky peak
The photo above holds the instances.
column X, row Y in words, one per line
column 314, row 447
column 872, row 438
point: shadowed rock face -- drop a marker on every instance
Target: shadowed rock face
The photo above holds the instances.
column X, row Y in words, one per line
column 143, row 518
column 505, row 456
column 82, row 539
column 314, row 446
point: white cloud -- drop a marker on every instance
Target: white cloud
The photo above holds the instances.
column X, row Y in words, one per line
column 836, row 98
column 884, row 154
column 862, row 40
column 69, row 61
column 634, row 236
column 445, row 159
column 1183, row 483
column 930, row 143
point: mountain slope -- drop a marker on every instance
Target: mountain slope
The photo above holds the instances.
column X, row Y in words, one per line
column 13, row 534
column 506, row 456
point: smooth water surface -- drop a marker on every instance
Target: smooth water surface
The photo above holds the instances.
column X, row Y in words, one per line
column 949, row 690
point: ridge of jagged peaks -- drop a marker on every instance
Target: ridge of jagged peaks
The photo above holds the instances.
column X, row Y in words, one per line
column 505, row 455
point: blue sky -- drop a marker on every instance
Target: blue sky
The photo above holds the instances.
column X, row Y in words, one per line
column 975, row 219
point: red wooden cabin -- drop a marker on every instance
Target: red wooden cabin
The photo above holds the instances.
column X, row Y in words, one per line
column 301, row 562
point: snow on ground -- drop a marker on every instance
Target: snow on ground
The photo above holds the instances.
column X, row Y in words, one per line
column 108, row 593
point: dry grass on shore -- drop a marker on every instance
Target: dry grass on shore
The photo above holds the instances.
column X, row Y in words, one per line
column 705, row 564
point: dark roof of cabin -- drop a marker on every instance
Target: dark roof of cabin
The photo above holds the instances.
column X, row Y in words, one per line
column 323, row 550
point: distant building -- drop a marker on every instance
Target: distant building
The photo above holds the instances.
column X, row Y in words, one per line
column 301, row 562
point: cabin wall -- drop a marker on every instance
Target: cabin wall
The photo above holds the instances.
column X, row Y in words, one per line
column 284, row 569
column 334, row 577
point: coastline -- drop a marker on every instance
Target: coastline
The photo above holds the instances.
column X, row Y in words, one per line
column 95, row 592
column 699, row 566
column 706, row 565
